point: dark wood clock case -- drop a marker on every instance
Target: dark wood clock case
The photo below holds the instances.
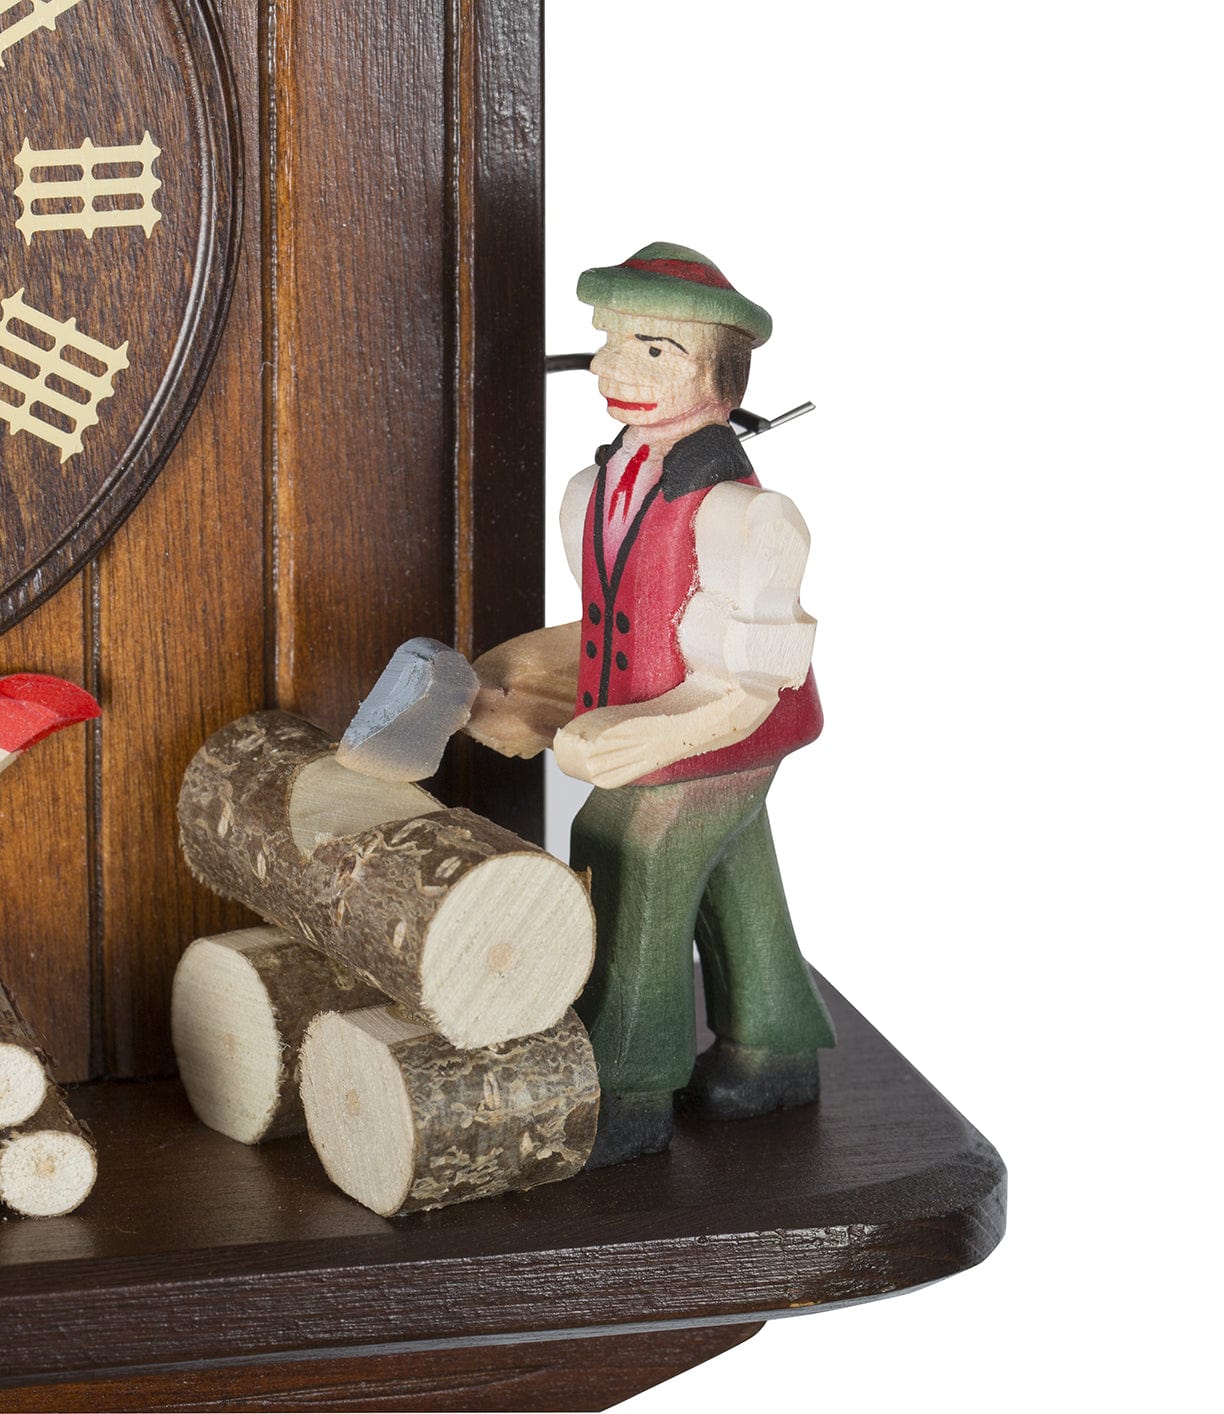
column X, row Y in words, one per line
column 364, row 462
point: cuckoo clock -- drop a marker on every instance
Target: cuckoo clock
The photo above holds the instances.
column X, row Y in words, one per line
column 118, row 225
column 361, row 464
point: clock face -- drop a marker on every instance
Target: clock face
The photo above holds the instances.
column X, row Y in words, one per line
column 118, row 236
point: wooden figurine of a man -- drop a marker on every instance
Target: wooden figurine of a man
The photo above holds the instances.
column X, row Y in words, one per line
column 693, row 680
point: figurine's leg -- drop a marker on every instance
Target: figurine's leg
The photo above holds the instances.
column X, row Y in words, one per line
column 649, row 850
column 762, row 1003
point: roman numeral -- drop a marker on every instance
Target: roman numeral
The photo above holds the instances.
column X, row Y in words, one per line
column 58, row 376
column 38, row 14
column 72, row 203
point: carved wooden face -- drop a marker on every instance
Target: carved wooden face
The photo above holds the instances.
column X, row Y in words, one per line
column 655, row 371
column 118, row 232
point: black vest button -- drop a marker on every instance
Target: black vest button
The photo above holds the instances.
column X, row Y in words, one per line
column 593, row 613
column 587, row 700
column 622, row 622
column 622, row 662
column 591, row 650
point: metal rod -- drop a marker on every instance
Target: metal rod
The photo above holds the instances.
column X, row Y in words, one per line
column 747, row 424
column 754, row 425
column 567, row 363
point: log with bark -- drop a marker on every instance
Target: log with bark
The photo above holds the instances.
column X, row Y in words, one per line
column 480, row 936
column 403, row 1122
column 24, row 1067
column 47, row 1165
column 240, row 1006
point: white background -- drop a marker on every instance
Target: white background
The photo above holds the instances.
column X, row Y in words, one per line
column 992, row 239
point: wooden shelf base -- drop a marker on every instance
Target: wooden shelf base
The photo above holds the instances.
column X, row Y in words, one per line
column 591, row 1373
column 203, row 1272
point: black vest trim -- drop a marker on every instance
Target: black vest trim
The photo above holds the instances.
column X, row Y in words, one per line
column 710, row 456
column 610, row 584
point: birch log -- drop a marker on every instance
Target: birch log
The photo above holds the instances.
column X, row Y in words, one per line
column 47, row 1165
column 480, row 936
column 240, row 1006
column 402, row 1121
column 24, row 1068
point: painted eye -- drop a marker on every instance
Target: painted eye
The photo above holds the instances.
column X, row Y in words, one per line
column 655, row 350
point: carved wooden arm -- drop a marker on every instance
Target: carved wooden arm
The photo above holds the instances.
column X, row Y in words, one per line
column 527, row 690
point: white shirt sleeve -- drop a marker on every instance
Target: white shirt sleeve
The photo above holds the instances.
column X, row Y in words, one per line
column 573, row 517
column 745, row 624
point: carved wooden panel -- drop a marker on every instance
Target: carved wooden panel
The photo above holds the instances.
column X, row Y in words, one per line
column 118, row 188
column 365, row 462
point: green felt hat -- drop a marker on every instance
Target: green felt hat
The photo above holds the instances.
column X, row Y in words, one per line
column 673, row 282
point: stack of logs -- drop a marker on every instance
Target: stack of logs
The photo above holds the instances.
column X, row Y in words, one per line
column 47, row 1160
column 408, row 1003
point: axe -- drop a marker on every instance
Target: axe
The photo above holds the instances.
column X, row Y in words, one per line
column 424, row 696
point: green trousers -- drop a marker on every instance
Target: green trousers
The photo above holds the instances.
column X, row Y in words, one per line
column 669, row 864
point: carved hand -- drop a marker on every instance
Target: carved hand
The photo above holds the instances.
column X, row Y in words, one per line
column 614, row 746
column 527, row 690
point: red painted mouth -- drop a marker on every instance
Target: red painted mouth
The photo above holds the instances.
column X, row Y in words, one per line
column 630, row 407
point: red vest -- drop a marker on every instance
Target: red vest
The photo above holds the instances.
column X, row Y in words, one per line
column 633, row 607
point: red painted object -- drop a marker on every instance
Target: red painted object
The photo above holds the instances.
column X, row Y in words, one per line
column 631, row 615
column 33, row 705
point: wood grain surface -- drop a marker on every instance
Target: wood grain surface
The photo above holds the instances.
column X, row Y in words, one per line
column 110, row 73
column 179, row 647
column 882, row 1187
column 498, row 198
column 365, row 465
column 592, row 1373
column 362, row 302
column 46, row 845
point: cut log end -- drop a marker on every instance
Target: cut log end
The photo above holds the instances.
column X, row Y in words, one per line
column 240, row 1006
column 24, row 1068
column 357, row 1106
column 404, row 1122
column 23, row 1084
column 226, row 1039
column 47, row 1167
column 45, row 1173
column 491, row 966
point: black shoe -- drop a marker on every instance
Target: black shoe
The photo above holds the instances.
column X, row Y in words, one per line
column 630, row 1125
column 731, row 1081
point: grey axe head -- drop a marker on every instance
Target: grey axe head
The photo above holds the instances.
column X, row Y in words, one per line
column 423, row 697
